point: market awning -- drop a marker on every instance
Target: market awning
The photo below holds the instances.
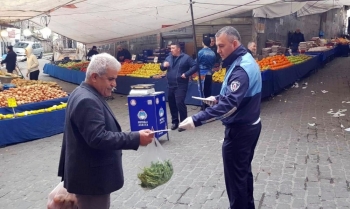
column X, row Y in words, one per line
column 106, row 21
column 17, row 10
column 302, row 8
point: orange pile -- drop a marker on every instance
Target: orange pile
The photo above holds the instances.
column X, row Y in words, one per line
column 276, row 62
column 129, row 68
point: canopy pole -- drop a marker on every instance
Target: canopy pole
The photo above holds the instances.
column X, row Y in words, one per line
column 115, row 52
column 195, row 51
column 85, row 55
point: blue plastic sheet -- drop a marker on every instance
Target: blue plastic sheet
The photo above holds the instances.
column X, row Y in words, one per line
column 31, row 127
column 64, row 74
column 33, row 106
column 286, row 77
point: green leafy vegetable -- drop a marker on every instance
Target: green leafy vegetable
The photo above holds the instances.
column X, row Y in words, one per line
column 157, row 174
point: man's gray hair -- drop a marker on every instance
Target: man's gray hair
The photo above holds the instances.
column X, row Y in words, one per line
column 231, row 33
column 100, row 63
column 251, row 43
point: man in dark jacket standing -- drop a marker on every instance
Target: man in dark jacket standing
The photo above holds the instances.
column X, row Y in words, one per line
column 92, row 52
column 179, row 68
column 123, row 54
column 91, row 156
column 10, row 60
column 296, row 39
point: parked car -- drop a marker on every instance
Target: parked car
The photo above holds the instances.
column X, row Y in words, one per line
column 19, row 49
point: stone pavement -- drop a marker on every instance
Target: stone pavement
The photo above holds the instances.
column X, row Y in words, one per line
column 301, row 160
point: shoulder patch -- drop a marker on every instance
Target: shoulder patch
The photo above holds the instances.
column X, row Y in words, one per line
column 235, row 86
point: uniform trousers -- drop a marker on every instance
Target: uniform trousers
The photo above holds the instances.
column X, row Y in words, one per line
column 237, row 152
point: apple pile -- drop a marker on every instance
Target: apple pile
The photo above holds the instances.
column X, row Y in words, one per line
column 29, row 94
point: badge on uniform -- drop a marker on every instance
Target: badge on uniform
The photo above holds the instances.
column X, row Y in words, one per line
column 235, row 85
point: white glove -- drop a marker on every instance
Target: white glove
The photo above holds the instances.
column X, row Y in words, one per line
column 187, row 124
column 211, row 101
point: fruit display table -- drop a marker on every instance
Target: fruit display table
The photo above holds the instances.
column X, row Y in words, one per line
column 286, row 77
column 124, row 83
column 34, row 106
column 324, row 56
column 39, row 113
column 342, row 50
column 64, row 74
column 31, row 127
column 286, row 71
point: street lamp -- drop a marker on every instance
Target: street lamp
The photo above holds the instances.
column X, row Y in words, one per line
column 4, row 33
column 27, row 32
column 46, row 32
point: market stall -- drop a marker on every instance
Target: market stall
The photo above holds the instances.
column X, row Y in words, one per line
column 31, row 127
column 31, row 110
column 278, row 72
column 64, row 74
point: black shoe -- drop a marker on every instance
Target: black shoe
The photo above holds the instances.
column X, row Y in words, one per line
column 181, row 129
column 174, row 126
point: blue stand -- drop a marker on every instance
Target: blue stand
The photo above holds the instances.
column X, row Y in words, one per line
column 148, row 112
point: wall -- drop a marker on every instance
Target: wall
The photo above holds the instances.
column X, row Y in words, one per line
column 277, row 28
column 334, row 22
column 242, row 22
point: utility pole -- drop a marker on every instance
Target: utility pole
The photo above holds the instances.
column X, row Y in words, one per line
column 195, row 51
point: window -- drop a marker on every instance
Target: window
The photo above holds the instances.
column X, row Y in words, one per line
column 20, row 45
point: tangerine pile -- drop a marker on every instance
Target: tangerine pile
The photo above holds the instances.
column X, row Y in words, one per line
column 276, row 62
column 129, row 68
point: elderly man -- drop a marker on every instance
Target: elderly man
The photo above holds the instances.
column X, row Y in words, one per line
column 238, row 107
column 91, row 157
column 179, row 67
column 123, row 54
column 252, row 48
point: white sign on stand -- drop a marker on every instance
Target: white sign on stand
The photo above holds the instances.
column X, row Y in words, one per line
column 155, row 59
column 133, row 57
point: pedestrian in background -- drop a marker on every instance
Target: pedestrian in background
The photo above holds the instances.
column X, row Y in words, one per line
column 10, row 60
column 215, row 50
column 206, row 61
column 123, row 54
column 32, row 64
column 92, row 52
column 91, row 155
column 179, row 67
column 238, row 107
column 296, row 39
column 252, row 48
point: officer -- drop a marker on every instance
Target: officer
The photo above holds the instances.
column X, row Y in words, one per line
column 238, row 107
column 179, row 67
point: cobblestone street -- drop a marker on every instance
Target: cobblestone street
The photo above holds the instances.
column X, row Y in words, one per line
column 302, row 159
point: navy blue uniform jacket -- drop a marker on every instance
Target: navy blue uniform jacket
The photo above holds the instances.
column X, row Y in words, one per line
column 240, row 97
